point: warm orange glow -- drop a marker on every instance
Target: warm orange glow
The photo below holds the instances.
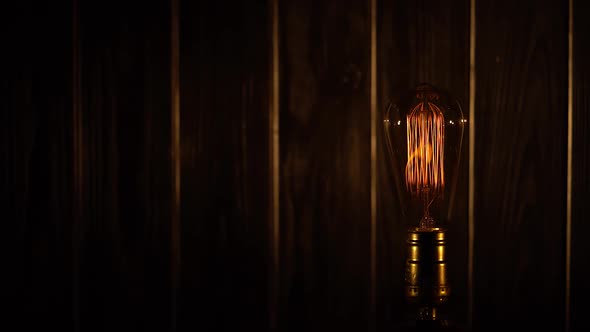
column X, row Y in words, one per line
column 425, row 135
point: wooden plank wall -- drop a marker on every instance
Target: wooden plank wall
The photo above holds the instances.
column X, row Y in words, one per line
column 123, row 141
column 324, row 166
column 224, row 132
column 35, row 154
column 85, row 160
column 520, row 164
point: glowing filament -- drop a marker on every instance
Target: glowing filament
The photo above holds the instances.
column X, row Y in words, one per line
column 425, row 134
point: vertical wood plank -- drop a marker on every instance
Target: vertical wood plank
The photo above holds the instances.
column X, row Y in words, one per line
column 420, row 41
column 224, row 141
column 580, row 247
column 126, row 166
column 520, row 165
column 569, row 160
column 77, row 163
column 35, row 154
column 274, row 157
column 325, row 165
column 471, row 166
column 175, row 230
column 373, row 103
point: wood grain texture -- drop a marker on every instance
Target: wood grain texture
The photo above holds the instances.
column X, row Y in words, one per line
column 225, row 166
column 125, row 167
column 324, row 166
column 419, row 41
column 580, row 255
column 520, row 166
column 35, row 152
column 49, row 193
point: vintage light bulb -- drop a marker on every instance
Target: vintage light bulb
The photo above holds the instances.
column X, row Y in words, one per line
column 424, row 134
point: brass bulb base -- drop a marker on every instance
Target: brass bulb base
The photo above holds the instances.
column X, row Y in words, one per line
column 426, row 286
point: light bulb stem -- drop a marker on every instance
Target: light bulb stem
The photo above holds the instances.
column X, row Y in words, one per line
column 427, row 221
column 425, row 201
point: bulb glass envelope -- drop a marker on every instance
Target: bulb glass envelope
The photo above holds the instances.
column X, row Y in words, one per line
column 424, row 132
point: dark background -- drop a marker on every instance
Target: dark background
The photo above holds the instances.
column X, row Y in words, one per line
column 99, row 236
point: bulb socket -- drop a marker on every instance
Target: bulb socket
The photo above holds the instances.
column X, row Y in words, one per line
column 426, row 286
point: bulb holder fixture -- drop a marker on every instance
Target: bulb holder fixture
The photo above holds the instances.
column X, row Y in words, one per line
column 427, row 289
